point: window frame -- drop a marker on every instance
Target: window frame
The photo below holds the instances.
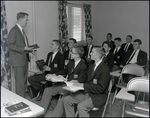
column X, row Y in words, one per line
column 70, row 23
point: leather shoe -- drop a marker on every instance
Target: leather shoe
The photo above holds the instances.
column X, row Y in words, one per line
column 39, row 97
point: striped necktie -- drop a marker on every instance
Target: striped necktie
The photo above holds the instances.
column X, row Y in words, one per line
column 132, row 55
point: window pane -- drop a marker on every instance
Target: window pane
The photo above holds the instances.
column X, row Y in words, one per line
column 76, row 23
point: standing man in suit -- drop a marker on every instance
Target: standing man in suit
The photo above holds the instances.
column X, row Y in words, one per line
column 75, row 70
column 109, row 56
column 88, row 49
column 19, row 53
column 128, row 45
column 94, row 94
column 119, row 54
column 54, row 63
column 72, row 42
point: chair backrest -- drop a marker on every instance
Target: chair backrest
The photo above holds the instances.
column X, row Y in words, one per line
column 140, row 84
column 133, row 69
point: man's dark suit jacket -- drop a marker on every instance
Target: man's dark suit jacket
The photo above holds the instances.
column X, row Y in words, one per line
column 57, row 63
column 66, row 54
column 141, row 58
column 86, row 51
column 109, row 60
column 129, row 48
column 119, row 57
column 97, row 84
column 77, row 73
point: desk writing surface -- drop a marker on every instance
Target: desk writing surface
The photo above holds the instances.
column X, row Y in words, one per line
column 122, row 94
column 8, row 96
column 116, row 73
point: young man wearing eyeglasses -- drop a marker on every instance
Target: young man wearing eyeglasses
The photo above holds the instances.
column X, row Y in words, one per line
column 75, row 70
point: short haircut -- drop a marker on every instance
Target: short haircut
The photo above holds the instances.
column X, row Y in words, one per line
column 79, row 50
column 108, row 43
column 129, row 36
column 118, row 39
column 138, row 40
column 89, row 36
column 57, row 42
column 99, row 50
column 21, row 15
column 74, row 40
column 109, row 34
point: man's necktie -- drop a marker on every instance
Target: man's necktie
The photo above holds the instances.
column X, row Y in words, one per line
column 132, row 55
column 115, row 50
column 126, row 47
column 25, row 38
column 69, row 56
column 50, row 60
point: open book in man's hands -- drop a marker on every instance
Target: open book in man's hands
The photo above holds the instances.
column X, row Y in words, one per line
column 34, row 46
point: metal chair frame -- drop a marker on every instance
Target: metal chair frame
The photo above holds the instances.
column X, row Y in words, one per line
column 132, row 69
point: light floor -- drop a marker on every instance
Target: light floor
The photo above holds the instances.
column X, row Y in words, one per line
column 116, row 108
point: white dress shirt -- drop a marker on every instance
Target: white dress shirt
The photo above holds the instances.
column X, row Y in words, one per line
column 134, row 59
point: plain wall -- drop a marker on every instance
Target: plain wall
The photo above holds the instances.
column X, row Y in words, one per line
column 118, row 17
column 122, row 18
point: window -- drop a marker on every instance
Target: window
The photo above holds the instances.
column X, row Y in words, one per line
column 76, row 23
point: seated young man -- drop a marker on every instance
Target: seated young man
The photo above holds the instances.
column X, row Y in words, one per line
column 94, row 94
column 136, row 56
column 67, row 54
column 88, row 49
column 109, row 38
column 54, row 63
column 75, row 70
column 128, row 45
column 109, row 56
column 119, row 54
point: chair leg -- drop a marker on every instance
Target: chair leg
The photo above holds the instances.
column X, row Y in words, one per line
column 114, row 95
column 77, row 113
column 124, row 102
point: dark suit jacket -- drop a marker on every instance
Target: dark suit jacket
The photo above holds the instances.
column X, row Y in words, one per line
column 119, row 57
column 16, row 44
column 66, row 54
column 141, row 58
column 77, row 73
column 86, row 51
column 129, row 48
column 97, row 85
column 57, row 63
column 109, row 60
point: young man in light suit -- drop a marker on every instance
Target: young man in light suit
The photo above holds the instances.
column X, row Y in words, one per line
column 76, row 70
column 19, row 53
column 54, row 63
column 94, row 94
